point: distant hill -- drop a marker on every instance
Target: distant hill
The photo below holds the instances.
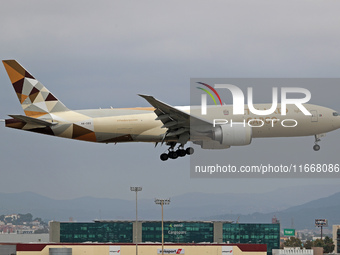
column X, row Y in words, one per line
column 302, row 216
column 294, row 203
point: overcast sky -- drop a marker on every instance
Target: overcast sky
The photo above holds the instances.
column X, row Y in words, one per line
column 94, row 54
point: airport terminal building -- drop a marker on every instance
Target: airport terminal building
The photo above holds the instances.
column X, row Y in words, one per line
column 130, row 249
column 175, row 232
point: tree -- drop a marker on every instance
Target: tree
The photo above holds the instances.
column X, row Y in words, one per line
column 327, row 244
column 308, row 244
column 318, row 243
column 293, row 242
column 25, row 217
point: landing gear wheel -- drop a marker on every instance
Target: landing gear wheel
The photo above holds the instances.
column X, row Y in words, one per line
column 316, row 147
column 189, row 151
column 164, row 157
column 173, row 155
column 181, row 152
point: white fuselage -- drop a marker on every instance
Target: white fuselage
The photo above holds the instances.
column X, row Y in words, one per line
column 139, row 124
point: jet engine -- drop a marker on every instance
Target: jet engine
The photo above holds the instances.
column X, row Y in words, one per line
column 232, row 135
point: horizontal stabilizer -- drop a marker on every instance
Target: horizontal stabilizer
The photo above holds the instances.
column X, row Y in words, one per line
column 33, row 121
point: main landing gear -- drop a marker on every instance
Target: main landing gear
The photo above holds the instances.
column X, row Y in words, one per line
column 180, row 152
column 316, row 147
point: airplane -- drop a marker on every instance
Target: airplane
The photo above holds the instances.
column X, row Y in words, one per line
column 160, row 123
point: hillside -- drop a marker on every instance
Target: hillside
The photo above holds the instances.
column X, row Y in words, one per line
column 302, row 210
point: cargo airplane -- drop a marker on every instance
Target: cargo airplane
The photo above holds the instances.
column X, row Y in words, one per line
column 160, row 123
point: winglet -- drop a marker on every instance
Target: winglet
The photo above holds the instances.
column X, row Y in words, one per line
column 150, row 99
column 144, row 96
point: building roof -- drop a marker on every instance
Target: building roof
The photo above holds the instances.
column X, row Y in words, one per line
column 179, row 221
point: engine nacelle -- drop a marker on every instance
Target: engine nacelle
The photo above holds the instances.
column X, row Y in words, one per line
column 234, row 135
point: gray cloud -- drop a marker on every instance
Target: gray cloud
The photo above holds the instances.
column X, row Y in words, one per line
column 113, row 50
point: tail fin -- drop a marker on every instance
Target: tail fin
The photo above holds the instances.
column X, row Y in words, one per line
column 34, row 98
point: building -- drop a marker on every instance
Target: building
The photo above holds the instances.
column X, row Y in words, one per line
column 181, row 232
column 130, row 249
column 23, row 238
column 298, row 251
column 336, row 238
column 292, row 251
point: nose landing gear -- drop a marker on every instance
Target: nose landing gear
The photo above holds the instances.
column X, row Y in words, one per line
column 316, row 146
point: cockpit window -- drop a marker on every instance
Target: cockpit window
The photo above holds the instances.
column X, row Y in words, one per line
column 336, row 114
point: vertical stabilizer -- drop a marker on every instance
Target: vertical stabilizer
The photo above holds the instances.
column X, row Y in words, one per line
column 35, row 99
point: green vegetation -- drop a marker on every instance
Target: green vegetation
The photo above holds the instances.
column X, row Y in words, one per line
column 327, row 243
column 21, row 219
column 293, row 242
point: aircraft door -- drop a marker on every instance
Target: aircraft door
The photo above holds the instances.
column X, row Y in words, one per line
column 314, row 117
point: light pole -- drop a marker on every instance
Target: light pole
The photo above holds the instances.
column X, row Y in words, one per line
column 162, row 202
column 136, row 189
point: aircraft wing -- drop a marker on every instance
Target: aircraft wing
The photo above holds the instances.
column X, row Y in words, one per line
column 176, row 121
